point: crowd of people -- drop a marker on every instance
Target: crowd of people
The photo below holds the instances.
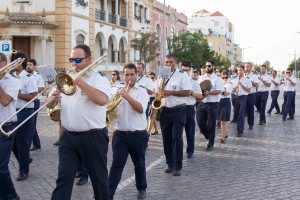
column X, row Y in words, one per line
column 84, row 140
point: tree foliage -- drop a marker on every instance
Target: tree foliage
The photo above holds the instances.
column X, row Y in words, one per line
column 147, row 44
column 194, row 48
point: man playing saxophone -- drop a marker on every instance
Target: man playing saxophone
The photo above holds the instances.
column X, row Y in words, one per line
column 9, row 89
column 130, row 136
column 84, row 138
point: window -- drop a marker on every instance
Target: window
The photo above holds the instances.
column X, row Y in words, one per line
column 113, row 59
column 146, row 14
column 79, row 39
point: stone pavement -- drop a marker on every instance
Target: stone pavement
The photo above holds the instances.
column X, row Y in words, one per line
column 263, row 164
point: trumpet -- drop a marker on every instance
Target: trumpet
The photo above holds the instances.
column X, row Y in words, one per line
column 65, row 83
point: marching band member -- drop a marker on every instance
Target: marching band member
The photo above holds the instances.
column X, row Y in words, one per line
column 242, row 88
column 263, row 93
column 24, row 135
column 234, row 81
column 31, row 68
column 173, row 115
column 251, row 96
column 9, row 89
column 83, row 117
column 115, row 82
column 130, row 136
column 207, row 109
column 224, row 107
column 289, row 82
column 152, row 121
column 275, row 90
column 196, row 94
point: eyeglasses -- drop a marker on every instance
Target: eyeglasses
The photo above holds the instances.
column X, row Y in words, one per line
column 209, row 66
column 113, row 74
column 152, row 77
column 225, row 77
column 77, row 60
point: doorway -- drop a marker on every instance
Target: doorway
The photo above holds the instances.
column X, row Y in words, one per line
column 22, row 44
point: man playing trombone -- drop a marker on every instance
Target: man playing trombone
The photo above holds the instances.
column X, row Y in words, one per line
column 24, row 134
column 83, row 117
column 9, row 88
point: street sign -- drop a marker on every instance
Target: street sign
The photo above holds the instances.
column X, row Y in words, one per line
column 5, row 47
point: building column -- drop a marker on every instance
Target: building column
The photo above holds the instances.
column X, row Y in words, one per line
column 127, row 25
column 126, row 56
column 44, row 50
column 116, row 52
column 117, row 12
column 106, row 11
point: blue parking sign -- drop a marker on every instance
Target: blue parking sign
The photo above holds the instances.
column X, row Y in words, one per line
column 5, row 47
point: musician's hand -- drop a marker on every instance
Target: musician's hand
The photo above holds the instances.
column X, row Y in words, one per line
column 288, row 78
column 124, row 93
column 78, row 81
column 260, row 78
column 56, row 96
column 206, row 93
column 166, row 93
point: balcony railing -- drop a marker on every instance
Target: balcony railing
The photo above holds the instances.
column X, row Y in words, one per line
column 112, row 18
column 100, row 14
column 123, row 22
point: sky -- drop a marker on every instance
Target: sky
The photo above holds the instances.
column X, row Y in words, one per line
column 269, row 27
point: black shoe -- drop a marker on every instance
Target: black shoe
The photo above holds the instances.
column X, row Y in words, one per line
column 269, row 112
column 233, row 121
column 277, row 113
column 189, row 155
column 226, row 136
column 262, row 123
column 283, row 119
column 222, row 141
column 15, row 198
column 250, row 127
column 22, row 177
column 35, row 148
column 209, row 148
column 56, row 143
column 240, row 134
column 30, row 161
column 176, row 173
column 81, row 182
column 290, row 118
column 141, row 195
column 256, row 111
column 154, row 133
column 168, row 170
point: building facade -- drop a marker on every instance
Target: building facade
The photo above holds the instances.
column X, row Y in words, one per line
column 219, row 32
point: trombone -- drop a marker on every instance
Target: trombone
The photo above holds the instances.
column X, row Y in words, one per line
column 11, row 66
column 64, row 82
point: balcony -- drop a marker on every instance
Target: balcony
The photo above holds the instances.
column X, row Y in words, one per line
column 123, row 22
column 112, row 18
column 100, row 14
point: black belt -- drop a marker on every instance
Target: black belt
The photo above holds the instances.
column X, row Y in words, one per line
column 175, row 107
column 132, row 132
column 85, row 132
column 9, row 124
column 289, row 91
column 24, row 109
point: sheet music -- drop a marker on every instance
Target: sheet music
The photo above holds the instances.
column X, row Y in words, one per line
column 164, row 72
column 47, row 72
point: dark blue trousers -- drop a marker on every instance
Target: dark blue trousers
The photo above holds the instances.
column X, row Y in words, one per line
column 274, row 104
column 124, row 143
column 7, row 189
column 171, row 124
column 83, row 173
column 250, row 108
column 36, row 140
column 234, row 105
column 206, row 120
column 293, row 103
column 262, row 99
column 190, row 129
column 242, row 100
column 23, row 140
column 90, row 147
column 287, row 107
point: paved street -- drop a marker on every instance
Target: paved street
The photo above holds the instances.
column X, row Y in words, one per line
column 264, row 164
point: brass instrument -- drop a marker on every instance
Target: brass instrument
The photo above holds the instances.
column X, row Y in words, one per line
column 54, row 113
column 13, row 54
column 111, row 109
column 157, row 102
column 205, row 86
column 11, row 66
column 66, row 82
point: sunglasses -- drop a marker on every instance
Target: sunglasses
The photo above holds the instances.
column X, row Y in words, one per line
column 224, row 77
column 77, row 60
column 152, row 77
column 113, row 74
column 208, row 66
column 288, row 72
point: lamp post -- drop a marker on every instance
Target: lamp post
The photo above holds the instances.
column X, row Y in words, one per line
column 243, row 49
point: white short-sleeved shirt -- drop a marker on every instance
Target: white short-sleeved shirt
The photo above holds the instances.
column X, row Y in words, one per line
column 253, row 78
column 196, row 89
column 179, row 81
column 287, row 86
column 11, row 86
column 217, row 84
column 234, row 83
column 116, row 86
column 145, row 81
column 227, row 88
column 247, row 83
column 39, row 80
column 127, row 118
column 273, row 86
column 28, row 85
column 261, row 86
column 153, row 85
column 78, row 112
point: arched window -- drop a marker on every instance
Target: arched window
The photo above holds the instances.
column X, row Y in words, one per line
column 79, row 39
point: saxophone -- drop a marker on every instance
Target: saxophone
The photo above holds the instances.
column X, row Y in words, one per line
column 157, row 103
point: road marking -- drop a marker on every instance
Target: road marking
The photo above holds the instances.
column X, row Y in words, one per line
column 129, row 180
